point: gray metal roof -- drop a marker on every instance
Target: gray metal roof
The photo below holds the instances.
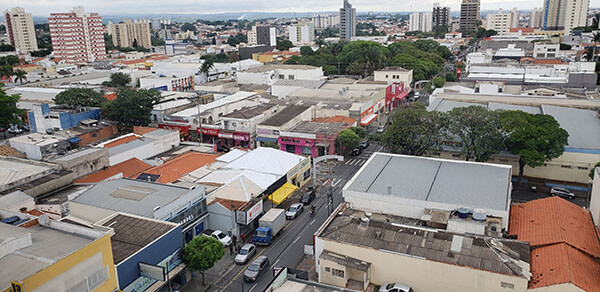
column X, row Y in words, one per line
column 445, row 105
column 132, row 196
column 285, row 115
column 300, row 83
column 129, row 145
column 583, row 125
column 514, row 107
column 390, row 233
column 460, row 183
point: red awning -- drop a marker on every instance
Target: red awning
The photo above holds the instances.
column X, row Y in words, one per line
column 365, row 121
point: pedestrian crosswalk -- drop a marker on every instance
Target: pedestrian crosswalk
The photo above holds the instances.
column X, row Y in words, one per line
column 355, row 161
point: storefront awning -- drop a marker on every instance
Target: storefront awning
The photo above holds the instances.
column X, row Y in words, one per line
column 266, row 139
column 74, row 139
column 368, row 119
column 282, row 193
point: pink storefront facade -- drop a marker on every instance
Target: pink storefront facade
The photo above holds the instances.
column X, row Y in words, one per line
column 315, row 147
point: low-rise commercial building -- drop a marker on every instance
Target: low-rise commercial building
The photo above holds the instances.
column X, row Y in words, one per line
column 313, row 139
column 43, row 117
column 238, row 128
column 394, row 75
column 269, row 130
column 141, row 146
column 268, row 74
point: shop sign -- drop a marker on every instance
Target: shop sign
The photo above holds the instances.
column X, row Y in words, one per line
column 267, row 132
column 226, row 135
column 245, row 217
column 296, row 141
column 181, row 129
column 210, row 132
column 241, row 136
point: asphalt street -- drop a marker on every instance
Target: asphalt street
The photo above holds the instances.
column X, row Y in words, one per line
column 288, row 248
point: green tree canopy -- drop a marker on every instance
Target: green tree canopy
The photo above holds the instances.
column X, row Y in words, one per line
column 132, row 107
column 9, row 113
column 188, row 26
column 20, row 76
column 120, row 79
column 202, row 253
column 439, row 82
column 348, row 139
column 479, row 132
column 594, row 169
column 360, row 131
column 77, row 97
column 414, row 131
column 306, row 51
column 284, row 45
column 363, row 57
column 233, row 41
column 534, row 138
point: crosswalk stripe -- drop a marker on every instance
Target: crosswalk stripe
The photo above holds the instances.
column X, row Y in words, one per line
column 362, row 162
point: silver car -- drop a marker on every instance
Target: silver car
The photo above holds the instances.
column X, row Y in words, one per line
column 294, row 210
column 246, row 252
column 561, row 192
column 395, row 287
column 256, row 268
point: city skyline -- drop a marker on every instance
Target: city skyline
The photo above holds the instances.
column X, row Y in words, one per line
column 119, row 7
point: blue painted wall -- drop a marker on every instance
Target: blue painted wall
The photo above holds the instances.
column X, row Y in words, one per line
column 45, row 108
column 32, row 124
column 74, row 119
column 128, row 270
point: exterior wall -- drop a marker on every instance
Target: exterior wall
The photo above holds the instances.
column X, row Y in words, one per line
column 262, row 78
column 158, row 250
column 469, row 15
column 142, row 152
column 20, row 30
column 88, row 213
column 86, row 164
column 302, row 146
column 100, row 134
column 595, row 198
column 329, row 278
column 31, row 150
column 50, row 185
column 567, row 287
column 394, row 76
column 67, row 272
column 389, row 267
column 299, row 172
column 499, row 22
column 221, row 218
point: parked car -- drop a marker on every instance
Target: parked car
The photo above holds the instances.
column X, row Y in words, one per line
column 293, row 211
column 14, row 129
column 24, row 127
column 364, row 144
column 307, row 197
column 256, row 268
column 395, row 287
column 218, row 235
column 380, row 129
column 221, row 148
column 246, row 252
column 561, row 192
column 356, row 151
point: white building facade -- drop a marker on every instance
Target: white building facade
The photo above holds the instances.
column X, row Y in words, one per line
column 20, row 30
column 420, row 21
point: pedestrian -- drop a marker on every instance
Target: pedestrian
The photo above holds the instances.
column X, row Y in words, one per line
column 231, row 249
column 234, row 239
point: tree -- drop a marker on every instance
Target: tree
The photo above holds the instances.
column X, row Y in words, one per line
column 439, row 82
column 306, row 51
column 135, row 43
column 348, row 139
column 363, row 57
column 214, row 41
column 202, row 253
column 450, row 76
column 41, row 53
column 188, row 27
column 414, row 131
column 534, row 138
column 20, row 75
column 9, row 113
column 360, row 131
column 77, row 97
column 479, row 132
column 132, row 107
column 233, row 41
column 208, row 64
column 594, row 169
column 6, row 48
column 284, row 45
column 120, row 79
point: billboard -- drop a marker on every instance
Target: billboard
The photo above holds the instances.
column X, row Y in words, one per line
column 152, row 271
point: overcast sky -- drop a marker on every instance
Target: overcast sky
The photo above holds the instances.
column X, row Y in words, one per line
column 44, row 7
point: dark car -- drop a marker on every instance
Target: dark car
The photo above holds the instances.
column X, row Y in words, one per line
column 307, row 197
column 256, row 268
column 24, row 127
column 356, row 151
column 364, row 144
column 221, row 148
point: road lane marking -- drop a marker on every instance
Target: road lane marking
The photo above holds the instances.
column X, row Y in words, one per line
column 253, row 287
column 312, row 222
column 297, row 238
column 275, row 263
column 238, row 274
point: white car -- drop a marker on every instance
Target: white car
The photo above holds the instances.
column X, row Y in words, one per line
column 395, row 287
column 222, row 237
column 294, row 210
column 246, row 253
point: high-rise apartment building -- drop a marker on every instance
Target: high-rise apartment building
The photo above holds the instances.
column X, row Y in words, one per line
column 514, row 18
column 564, row 14
column 262, row 35
column 536, row 17
column 302, row 33
column 77, row 36
column 347, row 21
column 130, row 33
column 420, row 21
column 469, row 15
column 440, row 15
column 499, row 22
column 20, row 30
column 323, row 21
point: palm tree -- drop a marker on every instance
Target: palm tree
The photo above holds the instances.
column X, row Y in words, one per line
column 208, row 64
column 20, row 75
column 595, row 40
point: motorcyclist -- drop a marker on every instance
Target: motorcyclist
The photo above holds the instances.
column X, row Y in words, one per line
column 312, row 210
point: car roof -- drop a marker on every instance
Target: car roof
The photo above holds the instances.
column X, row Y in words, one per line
column 260, row 259
column 296, row 205
column 247, row 245
column 401, row 286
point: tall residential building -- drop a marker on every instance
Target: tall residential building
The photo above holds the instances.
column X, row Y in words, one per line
column 20, row 30
column 469, row 15
column 536, row 17
column 347, row 21
column 323, row 21
column 440, row 15
column 420, row 21
column 125, row 33
column 513, row 18
column 302, row 33
column 262, row 35
column 564, row 14
column 500, row 22
column 77, row 36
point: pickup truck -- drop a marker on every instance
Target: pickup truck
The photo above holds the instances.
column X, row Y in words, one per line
column 270, row 224
column 218, row 235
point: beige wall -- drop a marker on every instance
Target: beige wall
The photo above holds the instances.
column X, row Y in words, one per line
column 595, row 198
column 328, row 277
column 567, row 287
column 88, row 213
column 419, row 273
column 388, row 76
column 570, row 167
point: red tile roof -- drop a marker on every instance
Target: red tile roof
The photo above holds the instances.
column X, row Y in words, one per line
column 181, row 165
column 554, row 220
column 128, row 168
column 38, row 59
column 143, row 130
column 111, row 96
column 523, row 29
column 227, row 203
column 549, row 61
column 120, row 141
column 336, row 119
column 560, row 263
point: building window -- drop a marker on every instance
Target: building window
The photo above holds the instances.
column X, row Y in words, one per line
column 94, row 135
column 291, row 77
column 327, row 269
column 281, row 76
column 306, row 150
column 565, row 166
column 507, row 285
column 290, row 148
column 306, row 174
column 582, row 168
column 337, row 273
column 96, row 279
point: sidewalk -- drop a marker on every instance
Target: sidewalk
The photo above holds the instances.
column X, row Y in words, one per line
column 211, row 276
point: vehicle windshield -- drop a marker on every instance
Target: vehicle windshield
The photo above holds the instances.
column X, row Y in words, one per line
column 292, row 209
column 221, row 235
column 254, row 267
column 243, row 251
column 389, row 286
column 261, row 233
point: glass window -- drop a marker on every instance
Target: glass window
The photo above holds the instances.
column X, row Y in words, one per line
column 96, row 279
column 290, row 148
column 306, row 150
column 337, row 273
column 307, row 174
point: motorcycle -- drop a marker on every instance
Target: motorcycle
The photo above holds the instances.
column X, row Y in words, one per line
column 312, row 211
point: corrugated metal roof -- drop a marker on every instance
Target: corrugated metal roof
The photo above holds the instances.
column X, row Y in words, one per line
column 583, row 125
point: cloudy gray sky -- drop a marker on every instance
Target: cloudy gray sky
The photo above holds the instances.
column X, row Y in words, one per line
column 44, row 7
